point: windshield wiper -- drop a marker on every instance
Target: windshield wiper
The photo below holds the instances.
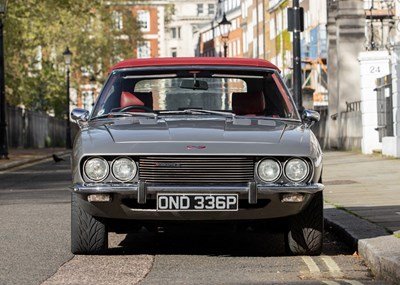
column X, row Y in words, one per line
column 200, row 111
column 226, row 114
column 126, row 114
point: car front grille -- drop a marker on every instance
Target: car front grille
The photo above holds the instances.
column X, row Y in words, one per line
column 196, row 169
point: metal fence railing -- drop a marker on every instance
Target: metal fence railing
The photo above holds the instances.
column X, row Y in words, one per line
column 349, row 135
column 29, row 129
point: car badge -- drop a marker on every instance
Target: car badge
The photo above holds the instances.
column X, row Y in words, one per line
column 195, row 146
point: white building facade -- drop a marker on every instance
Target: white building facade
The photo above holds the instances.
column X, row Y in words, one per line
column 186, row 18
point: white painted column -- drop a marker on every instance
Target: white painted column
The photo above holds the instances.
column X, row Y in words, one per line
column 162, row 42
column 391, row 145
column 373, row 65
column 396, row 90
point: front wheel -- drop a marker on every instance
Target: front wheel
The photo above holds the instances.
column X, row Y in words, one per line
column 305, row 233
column 88, row 235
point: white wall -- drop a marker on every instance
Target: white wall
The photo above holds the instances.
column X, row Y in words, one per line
column 373, row 65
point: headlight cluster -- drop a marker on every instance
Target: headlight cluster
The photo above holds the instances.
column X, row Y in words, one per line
column 295, row 170
column 98, row 169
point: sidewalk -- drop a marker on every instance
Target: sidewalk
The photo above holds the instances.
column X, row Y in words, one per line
column 362, row 203
column 18, row 157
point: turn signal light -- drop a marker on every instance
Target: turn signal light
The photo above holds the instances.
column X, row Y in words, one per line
column 99, row 198
column 292, row 198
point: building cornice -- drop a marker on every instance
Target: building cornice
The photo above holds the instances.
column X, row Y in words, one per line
column 275, row 4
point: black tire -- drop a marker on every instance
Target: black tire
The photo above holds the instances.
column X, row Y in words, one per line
column 88, row 235
column 305, row 233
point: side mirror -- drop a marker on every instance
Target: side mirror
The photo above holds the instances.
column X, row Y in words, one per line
column 310, row 117
column 80, row 115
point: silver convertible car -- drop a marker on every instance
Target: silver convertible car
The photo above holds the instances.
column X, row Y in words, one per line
column 173, row 141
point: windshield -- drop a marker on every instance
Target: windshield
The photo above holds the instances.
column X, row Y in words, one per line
column 210, row 92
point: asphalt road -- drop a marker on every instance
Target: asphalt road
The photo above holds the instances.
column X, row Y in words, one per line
column 35, row 243
column 34, row 222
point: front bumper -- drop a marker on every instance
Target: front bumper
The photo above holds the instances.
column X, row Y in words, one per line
column 143, row 190
column 263, row 201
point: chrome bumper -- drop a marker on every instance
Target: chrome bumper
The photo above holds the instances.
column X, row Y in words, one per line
column 141, row 189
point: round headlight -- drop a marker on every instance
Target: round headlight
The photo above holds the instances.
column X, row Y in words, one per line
column 96, row 168
column 269, row 170
column 296, row 169
column 124, row 169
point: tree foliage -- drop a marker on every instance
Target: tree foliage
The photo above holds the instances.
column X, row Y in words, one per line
column 36, row 32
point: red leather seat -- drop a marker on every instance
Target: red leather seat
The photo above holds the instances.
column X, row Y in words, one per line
column 249, row 104
column 138, row 99
column 128, row 99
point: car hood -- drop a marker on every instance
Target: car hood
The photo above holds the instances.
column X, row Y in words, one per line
column 147, row 136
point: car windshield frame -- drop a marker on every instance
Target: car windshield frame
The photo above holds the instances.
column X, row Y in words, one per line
column 190, row 71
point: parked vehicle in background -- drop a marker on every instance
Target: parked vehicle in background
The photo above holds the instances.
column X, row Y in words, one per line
column 196, row 140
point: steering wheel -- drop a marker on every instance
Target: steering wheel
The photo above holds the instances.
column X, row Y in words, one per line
column 140, row 107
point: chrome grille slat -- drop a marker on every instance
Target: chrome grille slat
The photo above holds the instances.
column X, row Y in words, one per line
column 195, row 169
column 201, row 170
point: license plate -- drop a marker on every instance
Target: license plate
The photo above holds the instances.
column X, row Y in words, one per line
column 197, row 202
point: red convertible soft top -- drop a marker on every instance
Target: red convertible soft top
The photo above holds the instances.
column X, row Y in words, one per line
column 173, row 61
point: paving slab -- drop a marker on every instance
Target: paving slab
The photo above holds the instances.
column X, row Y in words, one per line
column 20, row 156
column 362, row 204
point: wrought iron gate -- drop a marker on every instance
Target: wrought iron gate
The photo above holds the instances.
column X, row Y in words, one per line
column 384, row 106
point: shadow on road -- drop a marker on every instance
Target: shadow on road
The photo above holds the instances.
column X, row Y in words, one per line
column 235, row 244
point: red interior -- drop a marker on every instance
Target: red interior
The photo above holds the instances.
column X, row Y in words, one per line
column 248, row 104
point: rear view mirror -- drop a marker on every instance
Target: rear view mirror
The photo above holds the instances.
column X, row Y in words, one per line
column 194, row 84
